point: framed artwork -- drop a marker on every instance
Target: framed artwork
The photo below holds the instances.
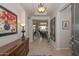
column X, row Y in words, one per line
column 53, row 28
column 65, row 25
column 8, row 22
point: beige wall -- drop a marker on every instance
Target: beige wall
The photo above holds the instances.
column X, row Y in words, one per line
column 65, row 35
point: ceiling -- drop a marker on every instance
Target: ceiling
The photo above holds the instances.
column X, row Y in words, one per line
column 31, row 8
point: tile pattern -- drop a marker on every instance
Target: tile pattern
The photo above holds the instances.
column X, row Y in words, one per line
column 40, row 47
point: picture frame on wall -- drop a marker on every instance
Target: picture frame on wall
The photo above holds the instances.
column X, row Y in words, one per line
column 65, row 25
column 53, row 28
column 8, row 22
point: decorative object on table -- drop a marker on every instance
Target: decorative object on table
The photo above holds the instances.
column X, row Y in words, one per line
column 8, row 22
column 65, row 25
column 23, row 37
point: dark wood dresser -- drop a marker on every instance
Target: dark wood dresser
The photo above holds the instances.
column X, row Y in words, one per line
column 16, row 48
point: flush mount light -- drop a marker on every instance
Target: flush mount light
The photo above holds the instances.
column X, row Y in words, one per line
column 41, row 8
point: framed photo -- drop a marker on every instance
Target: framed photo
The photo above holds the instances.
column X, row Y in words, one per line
column 8, row 22
column 52, row 29
column 65, row 25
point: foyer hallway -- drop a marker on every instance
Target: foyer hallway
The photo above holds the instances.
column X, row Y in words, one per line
column 42, row 48
column 56, row 19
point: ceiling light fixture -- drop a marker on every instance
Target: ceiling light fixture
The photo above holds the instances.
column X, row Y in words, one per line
column 41, row 8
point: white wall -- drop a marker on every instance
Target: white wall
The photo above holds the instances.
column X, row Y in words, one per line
column 63, row 37
column 30, row 30
column 26, row 25
column 15, row 8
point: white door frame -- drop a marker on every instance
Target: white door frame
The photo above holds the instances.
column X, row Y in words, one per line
column 38, row 18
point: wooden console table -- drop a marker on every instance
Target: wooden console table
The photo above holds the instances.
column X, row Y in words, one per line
column 16, row 48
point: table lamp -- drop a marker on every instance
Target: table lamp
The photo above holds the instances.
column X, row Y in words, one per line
column 23, row 37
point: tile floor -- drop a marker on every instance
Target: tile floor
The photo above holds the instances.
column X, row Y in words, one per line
column 40, row 47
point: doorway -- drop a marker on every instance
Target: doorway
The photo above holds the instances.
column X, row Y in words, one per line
column 40, row 29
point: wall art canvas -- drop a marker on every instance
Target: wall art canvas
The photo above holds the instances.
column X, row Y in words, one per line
column 8, row 22
column 65, row 25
